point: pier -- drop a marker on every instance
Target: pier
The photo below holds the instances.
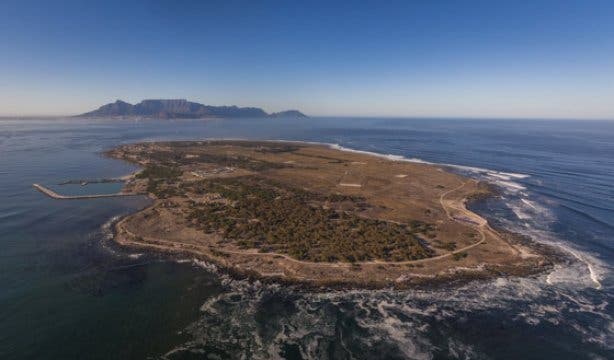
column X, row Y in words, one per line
column 54, row 195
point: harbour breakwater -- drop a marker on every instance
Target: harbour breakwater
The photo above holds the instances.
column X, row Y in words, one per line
column 54, row 195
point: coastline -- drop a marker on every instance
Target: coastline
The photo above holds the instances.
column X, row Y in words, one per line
column 459, row 278
column 454, row 275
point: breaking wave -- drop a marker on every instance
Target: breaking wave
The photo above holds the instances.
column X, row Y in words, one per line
column 270, row 322
column 534, row 218
column 254, row 320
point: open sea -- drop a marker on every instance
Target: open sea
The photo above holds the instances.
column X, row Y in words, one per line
column 68, row 292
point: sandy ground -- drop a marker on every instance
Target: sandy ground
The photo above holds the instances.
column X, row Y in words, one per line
column 396, row 190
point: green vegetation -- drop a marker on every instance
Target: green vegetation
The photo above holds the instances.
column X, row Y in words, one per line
column 238, row 161
column 159, row 172
column 182, row 154
column 161, row 180
column 259, row 146
column 272, row 217
column 458, row 256
column 450, row 246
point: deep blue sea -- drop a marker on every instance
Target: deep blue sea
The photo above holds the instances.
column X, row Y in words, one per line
column 67, row 292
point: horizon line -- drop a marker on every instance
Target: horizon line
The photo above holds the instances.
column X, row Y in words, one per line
column 398, row 117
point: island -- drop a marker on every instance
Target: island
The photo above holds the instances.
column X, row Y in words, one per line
column 315, row 215
column 182, row 109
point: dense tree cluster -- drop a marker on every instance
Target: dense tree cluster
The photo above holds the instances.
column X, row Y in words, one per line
column 272, row 217
column 186, row 153
column 258, row 213
column 260, row 146
column 161, row 180
column 178, row 158
column 159, row 172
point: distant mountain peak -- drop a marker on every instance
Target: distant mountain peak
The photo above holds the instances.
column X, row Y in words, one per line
column 288, row 114
column 181, row 108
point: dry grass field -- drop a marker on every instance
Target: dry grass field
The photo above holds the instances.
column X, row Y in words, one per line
column 312, row 214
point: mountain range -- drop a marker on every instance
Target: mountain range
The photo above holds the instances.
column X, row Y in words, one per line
column 181, row 109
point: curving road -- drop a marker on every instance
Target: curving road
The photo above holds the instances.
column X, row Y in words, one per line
column 447, row 205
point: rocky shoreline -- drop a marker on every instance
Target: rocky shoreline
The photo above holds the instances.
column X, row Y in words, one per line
column 536, row 259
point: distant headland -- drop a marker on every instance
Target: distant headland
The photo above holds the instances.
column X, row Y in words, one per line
column 182, row 109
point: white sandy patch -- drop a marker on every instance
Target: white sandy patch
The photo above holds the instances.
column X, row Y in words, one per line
column 350, row 185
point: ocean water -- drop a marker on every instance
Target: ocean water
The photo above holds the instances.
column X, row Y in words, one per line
column 67, row 292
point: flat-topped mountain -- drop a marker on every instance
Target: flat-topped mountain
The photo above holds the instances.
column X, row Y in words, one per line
column 181, row 108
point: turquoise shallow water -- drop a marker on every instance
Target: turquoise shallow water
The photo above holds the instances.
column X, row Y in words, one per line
column 66, row 291
column 87, row 189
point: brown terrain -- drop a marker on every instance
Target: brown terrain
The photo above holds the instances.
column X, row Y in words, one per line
column 314, row 215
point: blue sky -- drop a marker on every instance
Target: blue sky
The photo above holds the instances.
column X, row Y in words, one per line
column 552, row 59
